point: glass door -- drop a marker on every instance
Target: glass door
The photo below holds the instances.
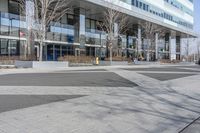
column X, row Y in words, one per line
column 57, row 52
column 50, row 53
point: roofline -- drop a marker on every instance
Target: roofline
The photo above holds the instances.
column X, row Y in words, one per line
column 143, row 15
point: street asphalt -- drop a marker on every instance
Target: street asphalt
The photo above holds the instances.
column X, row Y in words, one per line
column 166, row 76
column 65, row 79
column 184, row 66
column 13, row 102
column 163, row 69
column 95, row 70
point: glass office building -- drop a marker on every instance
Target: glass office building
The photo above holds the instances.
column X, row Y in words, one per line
column 80, row 29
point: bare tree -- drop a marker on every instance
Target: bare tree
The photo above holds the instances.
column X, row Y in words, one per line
column 187, row 49
column 114, row 23
column 44, row 12
column 148, row 31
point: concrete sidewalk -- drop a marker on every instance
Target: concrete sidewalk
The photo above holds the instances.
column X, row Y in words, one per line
column 154, row 106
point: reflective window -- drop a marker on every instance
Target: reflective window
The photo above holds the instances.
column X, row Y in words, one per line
column 161, row 13
column 13, row 7
column 70, row 20
column 87, row 24
column 13, row 47
column 9, row 47
column 4, row 46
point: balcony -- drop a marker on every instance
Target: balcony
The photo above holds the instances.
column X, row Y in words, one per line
column 12, row 25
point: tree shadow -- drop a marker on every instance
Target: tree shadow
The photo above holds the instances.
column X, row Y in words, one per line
column 166, row 107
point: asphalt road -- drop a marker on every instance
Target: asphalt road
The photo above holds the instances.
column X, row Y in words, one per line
column 163, row 69
column 166, row 76
column 194, row 66
column 100, row 79
column 13, row 102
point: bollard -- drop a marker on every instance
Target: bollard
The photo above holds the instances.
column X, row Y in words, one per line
column 97, row 60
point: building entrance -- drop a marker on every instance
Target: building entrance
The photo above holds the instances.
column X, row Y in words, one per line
column 55, row 51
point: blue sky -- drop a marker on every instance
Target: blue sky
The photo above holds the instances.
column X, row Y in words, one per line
column 197, row 16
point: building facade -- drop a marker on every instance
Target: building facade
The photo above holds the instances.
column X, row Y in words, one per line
column 80, row 29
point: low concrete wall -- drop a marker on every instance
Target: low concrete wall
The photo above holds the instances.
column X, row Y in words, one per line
column 145, row 63
column 42, row 65
column 24, row 64
column 114, row 63
column 79, row 64
column 50, row 64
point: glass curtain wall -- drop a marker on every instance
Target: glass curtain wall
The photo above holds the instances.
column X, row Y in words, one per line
column 95, row 38
column 13, row 25
column 63, row 30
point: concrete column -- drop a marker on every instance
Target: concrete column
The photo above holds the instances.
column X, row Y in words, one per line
column 139, row 44
column 172, row 47
column 30, row 22
column 82, row 31
column 156, row 45
column 182, row 47
column 81, row 27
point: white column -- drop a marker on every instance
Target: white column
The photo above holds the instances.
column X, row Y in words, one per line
column 156, row 45
column 80, row 27
column 82, row 31
column 139, row 45
column 172, row 48
column 30, row 11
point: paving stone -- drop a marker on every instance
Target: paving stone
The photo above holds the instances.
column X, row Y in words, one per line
column 193, row 127
column 13, row 102
column 166, row 76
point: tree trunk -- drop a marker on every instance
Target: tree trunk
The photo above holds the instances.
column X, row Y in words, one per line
column 148, row 55
column 28, row 45
column 148, row 48
column 110, row 54
column 41, row 51
column 42, row 39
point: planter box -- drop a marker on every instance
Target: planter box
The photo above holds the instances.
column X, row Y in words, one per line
column 42, row 65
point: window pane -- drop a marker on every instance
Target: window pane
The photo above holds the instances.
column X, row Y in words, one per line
column 87, row 24
column 4, row 46
column 13, row 7
column 92, row 24
column 13, row 48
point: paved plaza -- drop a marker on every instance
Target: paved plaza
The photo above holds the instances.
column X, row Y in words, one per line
column 118, row 99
